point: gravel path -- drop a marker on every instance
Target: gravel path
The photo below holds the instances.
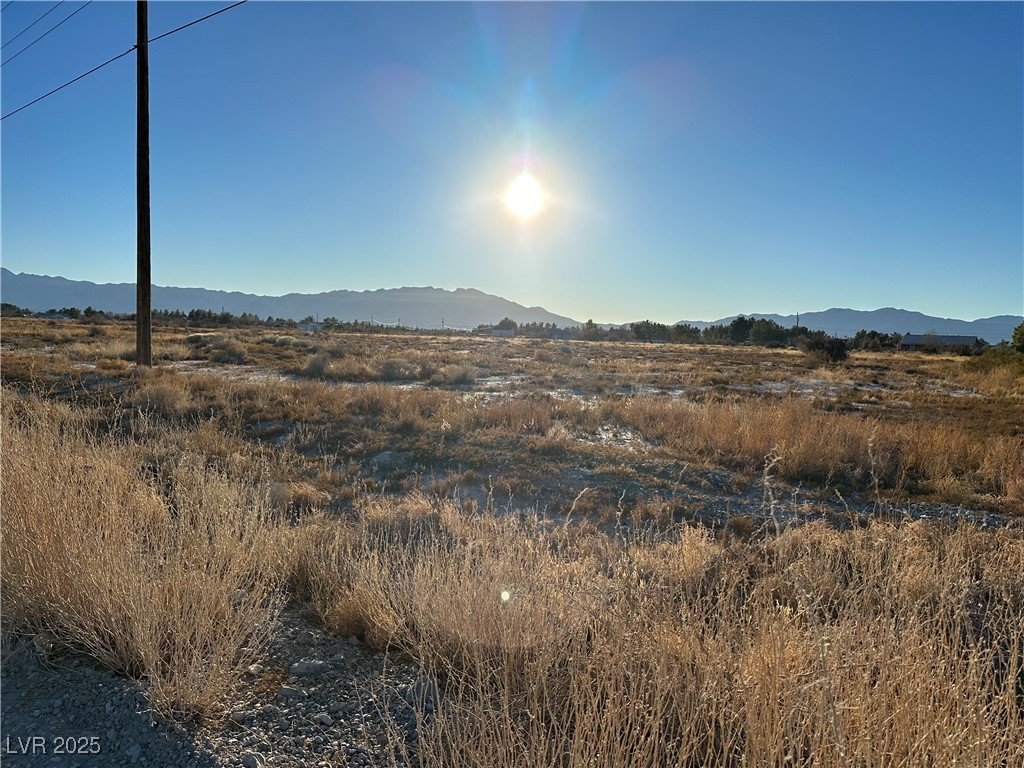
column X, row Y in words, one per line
column 315, row 700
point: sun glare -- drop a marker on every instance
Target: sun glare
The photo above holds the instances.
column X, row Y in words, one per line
column 524, row 197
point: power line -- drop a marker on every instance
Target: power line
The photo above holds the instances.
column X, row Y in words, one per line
column 204, row 18
column 115, row 58
column 26, row 29
column 6, row 4
column 80, row 8
column 69, row 82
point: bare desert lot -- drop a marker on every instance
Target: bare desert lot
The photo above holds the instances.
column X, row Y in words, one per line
column 345, row 549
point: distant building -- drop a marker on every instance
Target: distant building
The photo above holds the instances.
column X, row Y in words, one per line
column 934, row 342
column 500, row 333
column 313, row 327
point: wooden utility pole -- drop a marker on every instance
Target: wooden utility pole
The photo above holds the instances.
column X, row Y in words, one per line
column 144, row 287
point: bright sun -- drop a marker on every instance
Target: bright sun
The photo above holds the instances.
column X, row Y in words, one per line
column 524, row 196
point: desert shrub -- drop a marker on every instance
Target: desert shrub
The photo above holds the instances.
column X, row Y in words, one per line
column 108, row 349
column 163, row 350
column 394, row 369
column 823, row 348
column 204, row 339
column 318, row 366
column 1000, row 356
column 455, row 375
column 426, row 370
column 298, row 497
column 163, row 395
column 228, row 352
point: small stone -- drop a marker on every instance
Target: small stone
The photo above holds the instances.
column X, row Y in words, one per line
column 254, row 669
column 57, row 703
column 284, row 724
column 308, row 667
column 323, row 719
column 291, row 692
column 134, row 752
column 353, row 640
column 240, row 715
column 253, row 760
column 389, row 459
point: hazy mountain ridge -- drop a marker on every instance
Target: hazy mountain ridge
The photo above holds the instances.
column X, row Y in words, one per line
column 427, row 307
column 423, row 307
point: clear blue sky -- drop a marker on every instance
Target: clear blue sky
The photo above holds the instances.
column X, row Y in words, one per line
column 700, row 160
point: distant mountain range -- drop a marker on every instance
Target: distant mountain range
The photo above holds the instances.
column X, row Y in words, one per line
column 846, row 322
column 432, row 307
column 413, row 307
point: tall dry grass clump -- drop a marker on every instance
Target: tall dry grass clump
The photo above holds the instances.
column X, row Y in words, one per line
column 824, row 446
column 888, row 646
column 173, row 585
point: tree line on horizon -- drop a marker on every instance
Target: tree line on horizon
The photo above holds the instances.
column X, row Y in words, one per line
column 760, row 332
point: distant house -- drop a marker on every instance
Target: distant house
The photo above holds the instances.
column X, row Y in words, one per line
column 934, row 342
column 501, row 333
column 313, row 327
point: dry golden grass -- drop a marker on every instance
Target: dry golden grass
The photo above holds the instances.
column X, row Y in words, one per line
column 899, row 425
column 154, row 548
column 163, row 394
column 886, row 646
column 172, row 584
column 827, row 446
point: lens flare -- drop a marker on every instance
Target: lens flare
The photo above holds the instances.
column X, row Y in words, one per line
column 506, row 596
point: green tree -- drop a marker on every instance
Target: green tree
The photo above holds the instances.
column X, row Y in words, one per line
column 824, row 348
column 685, row 333
column 590, row 331
column 1017, row 341
column 716, row 334
column 766, row 333
column 647, row 330
column 739, row 329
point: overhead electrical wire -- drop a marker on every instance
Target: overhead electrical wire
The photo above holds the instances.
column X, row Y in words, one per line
column 26, row 29
column 6, row 4
column 120, row 55
column 69, row 82
column 203, row 18
column 80, row 8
